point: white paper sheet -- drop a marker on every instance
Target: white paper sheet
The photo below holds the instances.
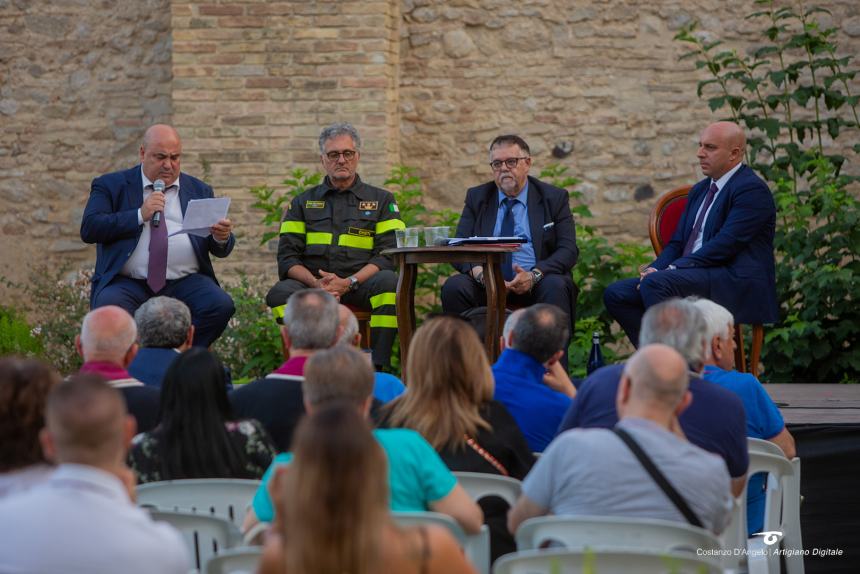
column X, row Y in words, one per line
column 201, row 214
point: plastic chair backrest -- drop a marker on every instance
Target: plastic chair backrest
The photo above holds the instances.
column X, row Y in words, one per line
column 665, row 216
column 205, row 535
column 475, row 546
column 765, row 446
column 603, row 560
column 242, row 560
column 580, row 532
column 479, row 485
column 225, row 497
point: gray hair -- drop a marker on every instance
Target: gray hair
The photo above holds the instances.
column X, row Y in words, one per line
column 311, row 319
column 107, row 333
column 658, row 375
column 717, row 320
column 339, row 129
column 679, row 324
column 162, row 322
column 341, row 373
column 350, row 329
column 541, row 331
column 510, row 323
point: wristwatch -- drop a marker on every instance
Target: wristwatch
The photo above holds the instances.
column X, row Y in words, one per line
column 537, row 276
column 353, row 284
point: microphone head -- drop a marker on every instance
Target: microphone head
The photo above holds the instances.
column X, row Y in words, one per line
column 158, row 185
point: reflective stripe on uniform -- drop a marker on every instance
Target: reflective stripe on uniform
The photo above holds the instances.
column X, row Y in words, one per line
column 318, row 238
column 353, row 241
column 383, row 299
column 278, row 312
column 389, row 321
column 389, row 225
column 293, row 227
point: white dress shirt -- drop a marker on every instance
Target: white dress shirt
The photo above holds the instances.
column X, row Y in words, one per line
column 721, row 183
column 82, row 521
column 181, row 259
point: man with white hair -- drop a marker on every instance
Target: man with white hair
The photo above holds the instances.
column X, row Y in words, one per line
column 165, row 330
column 764, row 421
column 598, row 472
column 108, row 345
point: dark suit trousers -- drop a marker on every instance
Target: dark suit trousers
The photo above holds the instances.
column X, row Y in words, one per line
column 628, row 299
column 211, row 308
column 461, row 293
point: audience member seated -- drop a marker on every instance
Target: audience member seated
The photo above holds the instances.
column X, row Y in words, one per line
column 592, row 472
column 24, row 387
column 764, row 420
column 418, row 478
column 310, row 325
column 108, row 344
column 333, row 513
column 715, row 421
column 449, row 403
column 83, row 520
column 530, row 380
column 164, row 330
column 197, row 435
column 385, row 385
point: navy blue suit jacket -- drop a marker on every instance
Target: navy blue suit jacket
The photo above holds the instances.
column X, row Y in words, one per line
column 110, row 220
column 550, row 223
column 737, row 246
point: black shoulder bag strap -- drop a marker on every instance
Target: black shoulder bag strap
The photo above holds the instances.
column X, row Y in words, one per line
column 658, row 477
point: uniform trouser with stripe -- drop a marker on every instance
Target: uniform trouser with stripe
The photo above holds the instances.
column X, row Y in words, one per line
column 376, row 294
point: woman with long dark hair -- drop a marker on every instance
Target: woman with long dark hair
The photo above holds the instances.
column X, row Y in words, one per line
column 332, row 508
column 197, row 436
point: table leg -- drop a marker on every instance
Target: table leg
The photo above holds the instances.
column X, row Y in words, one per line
column 496, row 295
column 405, row 307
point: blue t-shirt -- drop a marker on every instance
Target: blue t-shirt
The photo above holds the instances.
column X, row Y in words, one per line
column 416, row 474
column 764, row 421
column 537, row 408
column 714, row 421
column 387, row 387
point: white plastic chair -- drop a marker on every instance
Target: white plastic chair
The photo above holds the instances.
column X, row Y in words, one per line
column 580, row 532
column 475, row 546
column 480, row 484
column 602, row 561
column 242, row 560
column 204, row 535
column 781, row 515
column 735, row 536
column 225, row 497
column 765, row 446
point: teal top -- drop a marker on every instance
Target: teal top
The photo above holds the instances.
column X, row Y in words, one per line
column 416, row 474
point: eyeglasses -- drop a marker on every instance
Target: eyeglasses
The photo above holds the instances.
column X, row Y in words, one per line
column 510, row 163
column 348, row 155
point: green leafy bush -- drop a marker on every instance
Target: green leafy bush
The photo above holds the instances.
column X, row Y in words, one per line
column 794, row 94
column 16, row 335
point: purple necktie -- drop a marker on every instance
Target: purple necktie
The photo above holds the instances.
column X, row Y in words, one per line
column 156, row 276
column 688, row 248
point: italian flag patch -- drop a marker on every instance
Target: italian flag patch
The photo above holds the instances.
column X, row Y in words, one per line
column 393, row 208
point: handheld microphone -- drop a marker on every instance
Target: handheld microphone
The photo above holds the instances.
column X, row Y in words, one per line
column 157, row 185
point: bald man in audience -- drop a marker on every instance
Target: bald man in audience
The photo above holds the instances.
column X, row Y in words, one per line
column 592, row 472
column 722, row 248
column 108, row 345
column 83, row 519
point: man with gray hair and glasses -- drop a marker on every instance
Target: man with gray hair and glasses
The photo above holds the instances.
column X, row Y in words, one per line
column 715, row 421
column 332, row 238
column 164, row 330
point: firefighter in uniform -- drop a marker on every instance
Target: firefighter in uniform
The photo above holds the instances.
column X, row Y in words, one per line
column 332, row 237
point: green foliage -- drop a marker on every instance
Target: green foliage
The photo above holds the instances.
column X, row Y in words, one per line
column 251, row 344
column 273, row 203
column 599, row 265
column 793, row 94
column 16, row 335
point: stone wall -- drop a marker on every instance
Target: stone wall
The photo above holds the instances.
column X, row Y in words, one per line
column 428, row 83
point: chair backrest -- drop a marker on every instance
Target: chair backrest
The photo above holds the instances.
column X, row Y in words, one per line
column 204, row 535
column 479, row 485
column 225, row 497
column 765, row 446
column 603, row 560
column 242, row 560
column 666, row 215
column 476, row 547
column 580, row 532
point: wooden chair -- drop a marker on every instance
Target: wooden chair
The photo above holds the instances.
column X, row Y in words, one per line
column 661, row 225
column 363, row 317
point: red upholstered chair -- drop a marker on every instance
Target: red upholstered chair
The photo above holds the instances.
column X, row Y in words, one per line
column 661, row 225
